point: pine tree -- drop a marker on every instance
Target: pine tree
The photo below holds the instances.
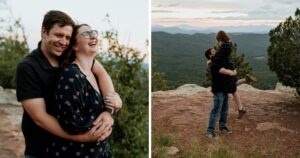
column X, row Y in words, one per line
column 284, row 51
column 158, row 83
column 242, row 67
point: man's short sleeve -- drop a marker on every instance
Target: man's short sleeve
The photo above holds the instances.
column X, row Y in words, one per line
column 28, row 83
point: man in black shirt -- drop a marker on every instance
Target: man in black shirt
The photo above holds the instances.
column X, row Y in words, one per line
column 36, row 77
column 220, row 96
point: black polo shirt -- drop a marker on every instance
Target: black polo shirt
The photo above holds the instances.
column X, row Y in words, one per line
column 36, row 78
column 217, row 79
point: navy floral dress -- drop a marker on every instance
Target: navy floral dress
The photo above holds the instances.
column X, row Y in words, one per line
column 78, row 105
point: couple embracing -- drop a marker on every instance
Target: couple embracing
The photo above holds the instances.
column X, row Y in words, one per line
column 67, row 96
column 224, row 81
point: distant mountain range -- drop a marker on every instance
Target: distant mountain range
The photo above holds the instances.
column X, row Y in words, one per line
column 187, row 29
column 181, row 56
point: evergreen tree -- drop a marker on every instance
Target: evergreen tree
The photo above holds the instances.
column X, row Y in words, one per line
column 124, row 65
column 242, row 67
column 13, row 48
column 158, row 83
column 284, row 51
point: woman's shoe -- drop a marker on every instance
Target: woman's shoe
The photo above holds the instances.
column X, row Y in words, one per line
column 250, row 78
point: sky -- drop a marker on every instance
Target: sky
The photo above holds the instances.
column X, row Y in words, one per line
column 210, row 13
column 130, row 18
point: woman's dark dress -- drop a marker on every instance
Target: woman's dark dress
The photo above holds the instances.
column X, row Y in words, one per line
column 78, row 105
column 222, row 59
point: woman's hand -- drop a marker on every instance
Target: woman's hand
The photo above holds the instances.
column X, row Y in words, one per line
column 102, row 126
column 113, row 100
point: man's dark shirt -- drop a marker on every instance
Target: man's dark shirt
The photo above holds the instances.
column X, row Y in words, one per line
column 36, row 78
column 217, row 79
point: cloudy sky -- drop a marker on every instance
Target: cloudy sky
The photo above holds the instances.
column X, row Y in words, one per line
column 130, row 18
column 208, row 13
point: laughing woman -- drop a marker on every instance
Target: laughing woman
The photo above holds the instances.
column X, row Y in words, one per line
column 80, row 100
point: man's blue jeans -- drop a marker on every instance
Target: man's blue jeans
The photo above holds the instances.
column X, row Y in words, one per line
column 220, row 107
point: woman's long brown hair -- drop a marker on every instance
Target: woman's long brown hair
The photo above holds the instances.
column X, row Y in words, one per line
column 222, row 36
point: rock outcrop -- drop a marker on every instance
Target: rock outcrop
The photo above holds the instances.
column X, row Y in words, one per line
column 285, row 89
column 187, row 89
column 11, row 137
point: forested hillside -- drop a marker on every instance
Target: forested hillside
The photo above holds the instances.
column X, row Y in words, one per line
column 181, row 56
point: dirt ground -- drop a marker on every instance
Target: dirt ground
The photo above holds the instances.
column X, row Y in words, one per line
column 270, row 128
column 11, row 138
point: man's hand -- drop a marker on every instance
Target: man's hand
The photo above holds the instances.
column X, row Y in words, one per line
column 102, row 126
column 105, row 135
column 208, row 62
column 36, row 108
column 87, row 137
column 234, row 73
column 227, row 72
column 113, row 100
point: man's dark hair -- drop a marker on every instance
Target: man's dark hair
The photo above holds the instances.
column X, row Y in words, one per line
column 208, row 52
column 69, row 55
column 56, row 17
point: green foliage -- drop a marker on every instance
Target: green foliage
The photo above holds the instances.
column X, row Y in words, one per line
column 13, row 48
column 158, row 83
column 130, row 133
column 165, row 140
column 243, row 67
column 284, row 51
column 160, row 142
